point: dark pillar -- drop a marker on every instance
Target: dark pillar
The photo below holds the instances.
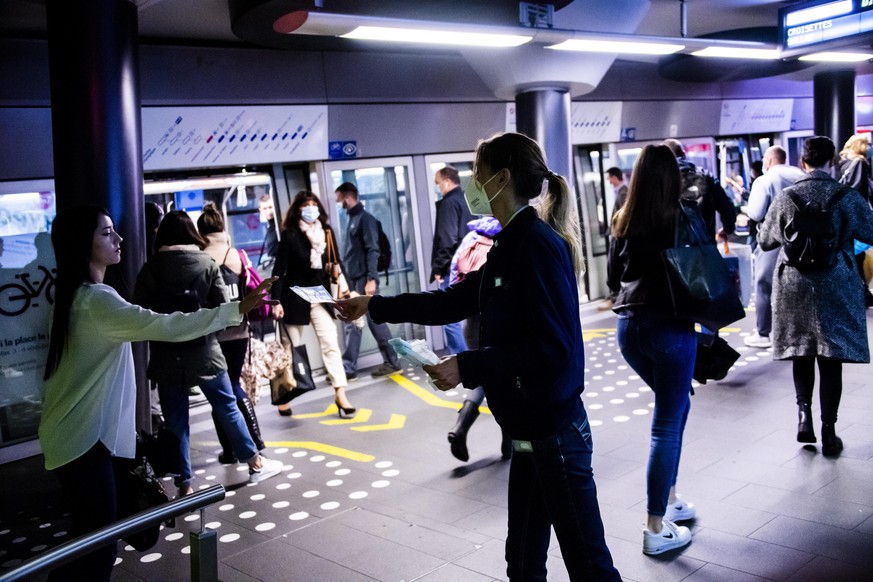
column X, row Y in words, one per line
column 834, row 105
column 544, row 115
column 96, row 133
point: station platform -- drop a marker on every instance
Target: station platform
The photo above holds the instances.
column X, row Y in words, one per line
column 380, row 497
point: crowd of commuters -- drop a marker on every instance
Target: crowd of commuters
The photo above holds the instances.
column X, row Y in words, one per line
column 511, row 277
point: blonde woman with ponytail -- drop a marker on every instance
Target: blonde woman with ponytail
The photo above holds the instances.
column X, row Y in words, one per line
column 530, row 359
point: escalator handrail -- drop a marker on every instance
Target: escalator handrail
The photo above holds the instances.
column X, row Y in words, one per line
column 85, row 544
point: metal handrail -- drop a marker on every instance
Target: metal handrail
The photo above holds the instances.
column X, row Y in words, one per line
column 113, row 532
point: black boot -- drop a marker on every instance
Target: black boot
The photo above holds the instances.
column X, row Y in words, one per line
column 226, row 456
column 805, row 433
column 458, row 435
column 506, row 445
column 247, row 408
column 831, row 444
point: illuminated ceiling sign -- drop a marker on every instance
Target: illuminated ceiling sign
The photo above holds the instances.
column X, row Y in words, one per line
column 819, row 25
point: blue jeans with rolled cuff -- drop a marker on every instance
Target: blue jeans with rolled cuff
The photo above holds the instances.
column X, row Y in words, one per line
column 661, row 349
column 551, row 484
column 219, row 393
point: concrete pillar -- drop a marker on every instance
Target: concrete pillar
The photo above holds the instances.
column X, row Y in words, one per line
column 544, row 115
column 96, row 127
column 834, row 105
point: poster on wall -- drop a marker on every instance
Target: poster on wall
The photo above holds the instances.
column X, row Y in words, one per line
column 201, row 137
column 595, row 122
column 742, row 116
column 27, row 269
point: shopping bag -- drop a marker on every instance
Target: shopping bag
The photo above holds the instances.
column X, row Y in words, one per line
column 302, row 372
column 714, row 358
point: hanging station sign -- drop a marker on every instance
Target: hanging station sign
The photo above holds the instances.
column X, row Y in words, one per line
column 816, row 26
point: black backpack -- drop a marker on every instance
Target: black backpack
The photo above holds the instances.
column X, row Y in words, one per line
column 383, row 263
column 187, row 300
column 810, row 242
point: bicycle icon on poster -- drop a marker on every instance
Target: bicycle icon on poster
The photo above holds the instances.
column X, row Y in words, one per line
column 15, row 298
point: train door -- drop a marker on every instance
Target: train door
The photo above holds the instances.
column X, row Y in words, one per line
column 385, row 189
column 792, row 142
column 735, row 158
column 593, row 218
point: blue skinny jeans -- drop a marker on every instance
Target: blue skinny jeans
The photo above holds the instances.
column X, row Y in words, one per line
column 661, row 349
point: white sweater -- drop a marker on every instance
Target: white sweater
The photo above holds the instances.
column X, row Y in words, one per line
column 91, row 396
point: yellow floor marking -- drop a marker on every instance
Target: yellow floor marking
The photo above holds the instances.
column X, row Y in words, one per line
column 363, row 415
column 428, row 396
column 329, row 411
column 323, row 448
column 397, row 421
column 589, row 334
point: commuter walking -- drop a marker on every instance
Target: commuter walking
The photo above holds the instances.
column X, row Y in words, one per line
column 360, row 255
column 819, row 314
column 233, row 341
column 530, row 359
column 854, row 171
column 615, row 177
column 471, row 256
column 659, row 346
column 777, row 176
column 452, row 216
column 88, row 411
column 302, row 260
column 181, row 277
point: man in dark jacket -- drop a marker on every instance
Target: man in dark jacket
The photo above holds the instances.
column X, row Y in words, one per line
column 360, row 253
column 703, row 188
column 452, row 216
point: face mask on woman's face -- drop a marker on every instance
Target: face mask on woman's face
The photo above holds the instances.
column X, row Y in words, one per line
column 477, row 198
column 309, row 213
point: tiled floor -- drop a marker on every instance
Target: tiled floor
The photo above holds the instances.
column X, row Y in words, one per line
column 381, row 498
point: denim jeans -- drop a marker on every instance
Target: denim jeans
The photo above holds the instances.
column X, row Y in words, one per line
column 765, row 267
column 352, row 337
column 219, row 393
column 661, row 349
column 454, row 331
column 553, row 485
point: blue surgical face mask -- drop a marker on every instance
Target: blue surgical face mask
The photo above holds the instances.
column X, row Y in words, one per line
column 309, row 213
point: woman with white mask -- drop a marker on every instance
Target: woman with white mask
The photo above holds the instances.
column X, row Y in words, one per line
column 300, row 261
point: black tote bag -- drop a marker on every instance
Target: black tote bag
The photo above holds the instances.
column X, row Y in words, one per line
column 302, row 372
column 701, row 286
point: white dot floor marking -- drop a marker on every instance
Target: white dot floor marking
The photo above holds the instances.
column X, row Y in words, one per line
column 60, row 534
column 621, row 383
column 310, row 494
column 210, row 477
column 451, row 393
column 38, row 548
column 595, row 406
column 383, row 464
column 19, row 540
column 154, row 557
column 186, row 550
column 622, row 367
column 621, row 419
column 299, row 454
column 617, row 401
column 44, row 525
column 317, row 458
column 174, row 536
column 380, row 484
column 608, row 388
column 329, row 505
column 596, row 422
column 764, row 354
column 334, row 482
column 294, row 475
column 247, row 514
column 644, row 389
column 230, row 494
column 194, row 517
column 226, row 539
column 332, row 464
column 265, row 526
column 390, row 473
column 257, row 497
column 632, row 395
column 213, row 524
column 4, row 532
column 300, row 515
column 752, row 358
column 117, row 561
column 741, row 364
column 281, row 504
column 609, row 372
column 640, row 411
column 357, row 494
column 225, row 507
column 597, row 378
column 243, row 467
column 200, row 487
column 199, row 471
column 633, row 377
column 651, row 404
column 591, row 394
column 282, row 486
column 280, row 451
column 341, row 472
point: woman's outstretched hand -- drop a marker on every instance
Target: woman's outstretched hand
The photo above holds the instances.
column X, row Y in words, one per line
column 351, row 309
column 259, row 297
column 446, row 374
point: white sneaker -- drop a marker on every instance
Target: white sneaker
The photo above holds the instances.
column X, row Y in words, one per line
column 757, row 341
column 269, row 468
column 672, row 536
column 680, row 510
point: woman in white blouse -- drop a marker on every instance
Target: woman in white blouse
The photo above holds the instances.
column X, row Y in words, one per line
column 88, row 414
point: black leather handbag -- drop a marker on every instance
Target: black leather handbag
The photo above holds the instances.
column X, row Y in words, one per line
column 302, row 372
column 701, row 286
column 138, row 489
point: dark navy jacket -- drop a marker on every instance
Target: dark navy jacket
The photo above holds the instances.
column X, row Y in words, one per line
column 531, row 361
column 452, row 216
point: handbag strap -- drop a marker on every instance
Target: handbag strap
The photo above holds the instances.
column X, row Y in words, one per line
column 697, row 238
column 331, row 250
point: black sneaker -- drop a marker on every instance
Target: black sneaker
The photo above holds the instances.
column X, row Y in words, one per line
column 384, row 370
